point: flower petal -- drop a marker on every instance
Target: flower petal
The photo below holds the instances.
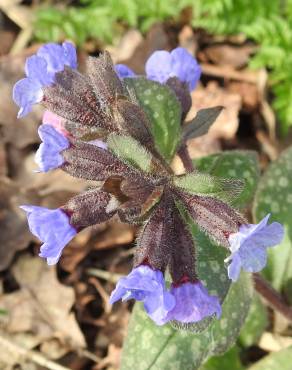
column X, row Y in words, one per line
column 52, row 227
column 124, row 71
column 26, row 92
column 193, row 303
column 185, row 67
column 58, row 56
column 48, row 155
column 158, row 67
column 249, row 246
column 234, row 267
column 147, row 285
column 70, row 55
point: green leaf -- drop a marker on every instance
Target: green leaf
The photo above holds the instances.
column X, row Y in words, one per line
column 163, row 110
column 213, row 186
column 276, row 361
column 130, row 151
column 255, row 324
column 274, row 195
column 148, row 346
column 3, row 312
column 230, row 360
column 200, row 125
column 235, row 164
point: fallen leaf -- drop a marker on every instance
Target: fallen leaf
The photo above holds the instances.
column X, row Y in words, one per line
column 228, row 55
column 14, row 234
column 212, row 95
column 42, row 305
column 115, row 235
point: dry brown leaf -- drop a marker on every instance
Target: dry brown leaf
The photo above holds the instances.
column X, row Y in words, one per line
column 228, row 55
column 42, row 306
column 187, row 39
column 274, row 342
column 115, row 235
column 225, row 127
column 226, row 124
column 156, row 39
column 14, row 234
column 126, row 46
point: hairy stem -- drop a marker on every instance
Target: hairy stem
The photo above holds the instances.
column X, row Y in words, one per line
column 185, row 157
column 273, row 298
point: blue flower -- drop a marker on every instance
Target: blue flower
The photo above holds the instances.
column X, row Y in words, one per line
column 147, row 285
column 40, row 70
column 249, row 246
column 52, row 227
column 179, row 63
column 193, row 303
column 124, row 71
column 163, row 65
column 48, row 155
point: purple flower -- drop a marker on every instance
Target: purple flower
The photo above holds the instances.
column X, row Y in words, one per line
column 124, row 71
column 147, row 285
column 163, row 65
column 40, row 70
column 249, row 246
column 193, row 303
column 179, row 63
column 48, row 155
column 52, row 227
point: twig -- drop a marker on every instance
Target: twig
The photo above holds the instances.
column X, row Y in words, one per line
column 25, row 354
column 105, row 297
column 230, row 73
column 105, row 275
column 185, row 157
column 273, row 298
column 21, row 41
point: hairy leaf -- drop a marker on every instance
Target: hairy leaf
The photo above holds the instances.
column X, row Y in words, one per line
column 154, row 241
column 274, row 195
column 130, row 151
column 255, row 324
column 229, row 360
column 214, row 217
column 163, row 111
column 200, row 125
column 236, row 164
column 93, row 163
column 213, row 186
column 90, row 208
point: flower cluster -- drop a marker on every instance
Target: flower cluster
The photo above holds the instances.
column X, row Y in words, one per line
column 86, row 114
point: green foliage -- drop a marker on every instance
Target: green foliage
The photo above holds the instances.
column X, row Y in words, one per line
column 130, row 151
column 164, row 113
column 101, row 19
column 274, row 195
column 269, row 23
column 276, row 361
column 149, row 346
column 255, row 324
column 230, row 360
column 235, row 164
column 201, row 123
column 213, row 186
column 231, row 16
